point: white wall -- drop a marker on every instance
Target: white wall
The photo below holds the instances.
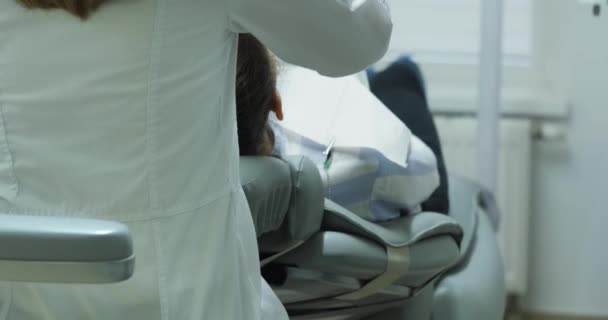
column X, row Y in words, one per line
column 569, row 230
column 449, row 29
column 569, row 243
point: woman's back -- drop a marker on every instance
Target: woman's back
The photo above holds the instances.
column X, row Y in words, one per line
column 130, row 116
column 105, row 125
column 122, row 117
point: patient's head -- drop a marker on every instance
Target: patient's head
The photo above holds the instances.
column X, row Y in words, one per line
column 256, row 96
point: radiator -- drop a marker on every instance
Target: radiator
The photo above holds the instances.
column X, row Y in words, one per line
column 459, row 141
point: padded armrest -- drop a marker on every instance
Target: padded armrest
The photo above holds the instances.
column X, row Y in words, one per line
column 353, row 247
column 64, row 250
column 399, row 232
column 471, row 191
column 476, row 289
column 465, row 207
column 347, row 255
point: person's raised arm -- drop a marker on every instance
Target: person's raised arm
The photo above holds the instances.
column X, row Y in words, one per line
column 333, row 37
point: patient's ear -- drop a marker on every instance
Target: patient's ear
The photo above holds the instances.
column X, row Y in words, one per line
column 278, row 105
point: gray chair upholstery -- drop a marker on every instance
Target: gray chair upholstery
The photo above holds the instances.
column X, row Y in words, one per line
column 475, row 289
column 344, row 267
column 286, row 200
column 267, row 184
column 335, row 264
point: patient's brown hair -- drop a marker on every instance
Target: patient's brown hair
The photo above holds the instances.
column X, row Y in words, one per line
column 255, row 96
column 80, row 8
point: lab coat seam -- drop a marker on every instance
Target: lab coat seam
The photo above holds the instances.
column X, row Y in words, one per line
column 9, row 304
column 161, row 274
column 229, row 21
column 158, row 214
column 235, row 197
column 234, row 175
column 150, row 130
column 4, row 142
column 180, row 210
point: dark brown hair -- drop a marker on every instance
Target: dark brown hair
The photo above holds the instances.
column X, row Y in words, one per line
column 80, row 8
column 255, row 96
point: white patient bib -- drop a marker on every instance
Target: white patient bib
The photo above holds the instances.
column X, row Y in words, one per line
column 377, row 167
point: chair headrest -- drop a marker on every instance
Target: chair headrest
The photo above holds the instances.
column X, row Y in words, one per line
column 266, row 182
column 285, row 197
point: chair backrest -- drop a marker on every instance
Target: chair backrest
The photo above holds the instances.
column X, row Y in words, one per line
column 285, row 197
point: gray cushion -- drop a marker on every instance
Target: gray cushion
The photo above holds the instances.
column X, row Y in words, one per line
column 267, row 185
column 349, row 255
column 476, row 289
column 399, row 232
column 285, row 197
column 352, row 247
column 464, row 207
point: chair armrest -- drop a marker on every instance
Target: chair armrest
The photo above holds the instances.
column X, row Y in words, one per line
column 399, row 232
column 466, row 189
column 64, row 250
column 476, row 288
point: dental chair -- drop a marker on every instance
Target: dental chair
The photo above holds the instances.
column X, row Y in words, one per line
column 324, row 262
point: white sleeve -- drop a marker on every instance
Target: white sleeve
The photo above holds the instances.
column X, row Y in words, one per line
column 333, row 37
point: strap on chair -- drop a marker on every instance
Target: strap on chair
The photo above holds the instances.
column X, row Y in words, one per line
column 397, row 265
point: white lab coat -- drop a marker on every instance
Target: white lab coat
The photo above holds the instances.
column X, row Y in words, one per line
column 130, row 116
